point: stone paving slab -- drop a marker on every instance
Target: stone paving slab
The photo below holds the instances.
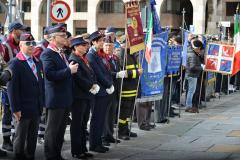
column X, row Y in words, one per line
column 225, row 148
column 234, row 133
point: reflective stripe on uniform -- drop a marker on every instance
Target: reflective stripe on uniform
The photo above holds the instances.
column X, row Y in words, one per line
column 7, row 126
column 6, row 134
column 131, row 66
column 129, row 95
column 42, row 125
column 133, row 91
column 122, row 121
column 134, row 75
column 128, row 119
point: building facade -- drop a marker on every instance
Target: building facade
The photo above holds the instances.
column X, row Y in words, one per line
column 90, row 15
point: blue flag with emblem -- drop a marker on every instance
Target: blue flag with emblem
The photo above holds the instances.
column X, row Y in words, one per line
column 152, row 79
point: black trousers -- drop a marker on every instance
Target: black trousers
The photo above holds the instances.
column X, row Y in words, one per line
column 80, row 109
column 55, row 130
column 25, row 139
column 126, row 111
column 110, row 117
column 97, row 121
column 143, row 111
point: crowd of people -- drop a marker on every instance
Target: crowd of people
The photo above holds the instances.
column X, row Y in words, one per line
column 82, row 77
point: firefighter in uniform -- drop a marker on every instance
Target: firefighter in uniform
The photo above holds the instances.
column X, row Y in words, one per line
column 11, row 47
column 128, row 94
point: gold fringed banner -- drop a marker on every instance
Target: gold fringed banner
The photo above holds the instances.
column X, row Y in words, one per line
column 134, row 28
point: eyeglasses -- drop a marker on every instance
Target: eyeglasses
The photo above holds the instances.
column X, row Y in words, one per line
column 62, row 35
column 31, row 43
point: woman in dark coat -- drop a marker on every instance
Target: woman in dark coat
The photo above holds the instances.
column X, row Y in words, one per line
column 84, row 89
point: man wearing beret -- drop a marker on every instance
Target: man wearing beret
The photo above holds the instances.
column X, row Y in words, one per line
column 58, row 87
column 11, row 48
column 26, row 97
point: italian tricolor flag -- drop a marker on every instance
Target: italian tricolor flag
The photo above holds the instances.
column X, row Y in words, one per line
column 148, row 52
column 236, row 63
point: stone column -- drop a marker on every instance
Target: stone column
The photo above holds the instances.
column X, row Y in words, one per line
column 92, row 15
column 35, row 18
column 199, row 8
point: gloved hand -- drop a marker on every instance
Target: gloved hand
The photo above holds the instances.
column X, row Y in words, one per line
column 110, row 90
column 96, row 87
column 121, row 74
column 93, row 90
column 203, row 66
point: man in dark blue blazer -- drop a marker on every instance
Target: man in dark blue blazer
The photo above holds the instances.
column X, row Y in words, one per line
column 26, row 96
column 58, row 91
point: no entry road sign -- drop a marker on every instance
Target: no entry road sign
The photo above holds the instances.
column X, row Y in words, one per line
column 60, row 11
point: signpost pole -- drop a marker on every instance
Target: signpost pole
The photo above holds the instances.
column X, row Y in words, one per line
column 48, row 13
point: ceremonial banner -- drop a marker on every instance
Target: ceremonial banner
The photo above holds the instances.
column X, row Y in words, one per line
column 174, row 54
column 220, row 58
column 134, row 28
column 152, row 79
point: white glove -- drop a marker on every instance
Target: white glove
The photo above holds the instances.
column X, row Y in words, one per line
column 110, row 90
column 121, row 74
column 203, row 66
column 93, row 91
column 97, row 88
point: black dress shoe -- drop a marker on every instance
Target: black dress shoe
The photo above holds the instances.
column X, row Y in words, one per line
column 88, row 154
column 7, row 146
column 152, row 125
column 145, row 128
column 3, row 153
column 132, row 134
column 112, row 140
column 79, row 156
column 106, row 143
column 124, row 137
column 98, row 149
column 164, row 121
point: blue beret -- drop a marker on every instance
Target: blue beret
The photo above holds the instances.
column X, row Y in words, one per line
column 95, row 35
column 57, row 28
column 110, row 29
column 26, row 36
column 77, row 41
column 46, row 29
column 16, row 25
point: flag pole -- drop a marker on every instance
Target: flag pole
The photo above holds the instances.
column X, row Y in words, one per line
column 181, row 69
column 123, row 67
column 170, row 95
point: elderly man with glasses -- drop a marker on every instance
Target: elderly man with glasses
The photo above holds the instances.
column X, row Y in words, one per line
column 26, row 97
column 58, row 96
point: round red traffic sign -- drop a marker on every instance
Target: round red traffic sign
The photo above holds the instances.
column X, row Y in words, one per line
column 60, row 11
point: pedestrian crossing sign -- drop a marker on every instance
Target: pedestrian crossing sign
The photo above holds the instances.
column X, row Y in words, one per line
column 60, row 11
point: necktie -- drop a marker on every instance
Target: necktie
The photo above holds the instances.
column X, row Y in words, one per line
column 63, row 56
column 33, row 67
